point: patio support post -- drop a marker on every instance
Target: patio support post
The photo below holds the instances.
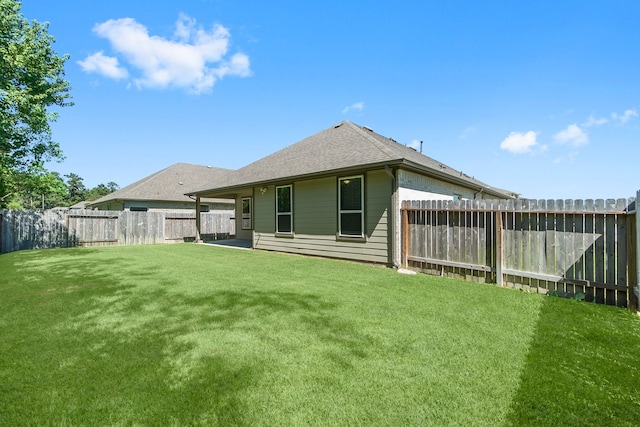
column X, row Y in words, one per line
column 198, row 220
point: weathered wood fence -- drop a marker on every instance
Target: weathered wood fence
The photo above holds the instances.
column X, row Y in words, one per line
column 568, row 247
column 40, row 229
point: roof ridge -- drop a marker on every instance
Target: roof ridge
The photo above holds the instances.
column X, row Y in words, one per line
column 386, row 150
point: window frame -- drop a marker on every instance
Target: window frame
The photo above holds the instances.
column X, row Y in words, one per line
column 246, row 217
column 361, row 211
column 289, row 213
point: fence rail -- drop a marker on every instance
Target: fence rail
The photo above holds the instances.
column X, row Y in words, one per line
column 569, row 247
column 40, row 229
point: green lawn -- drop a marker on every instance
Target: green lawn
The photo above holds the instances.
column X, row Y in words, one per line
column 199, row 335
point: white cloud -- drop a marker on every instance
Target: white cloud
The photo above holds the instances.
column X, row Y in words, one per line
column 106, row 65
column 194, row 60
column 625, row 117
column 595, row 121
column 573, row 135
column 358, row 106
column 466, row 132
column 520, row 143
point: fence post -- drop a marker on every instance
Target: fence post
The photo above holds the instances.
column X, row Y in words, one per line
column 634, row 283
column 499, row 249
column 632, row 248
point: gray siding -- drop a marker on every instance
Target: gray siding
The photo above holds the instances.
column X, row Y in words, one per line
column 315, row 218
column 316, row 207
column 264, row 209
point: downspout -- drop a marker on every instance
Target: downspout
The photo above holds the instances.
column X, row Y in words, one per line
column 475, row 195
column 395, row 210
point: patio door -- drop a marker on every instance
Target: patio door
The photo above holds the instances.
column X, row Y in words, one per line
column 247, row 209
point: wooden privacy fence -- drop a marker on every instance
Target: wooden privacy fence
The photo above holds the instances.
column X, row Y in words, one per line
column 573, row 248
column 40, row 229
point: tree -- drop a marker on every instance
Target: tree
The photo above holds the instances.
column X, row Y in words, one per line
column 101, row 190
column 77, row 192
column 31, row 82
column 38, row 188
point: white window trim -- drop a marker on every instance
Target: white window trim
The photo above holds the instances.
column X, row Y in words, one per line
column 246, row 219
column 285, row 213
column 360, row 211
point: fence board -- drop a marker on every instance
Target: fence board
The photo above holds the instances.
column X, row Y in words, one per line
column 67, row 228
column 599, row 247
column 566, row 246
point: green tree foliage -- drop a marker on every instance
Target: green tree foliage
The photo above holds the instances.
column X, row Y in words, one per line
column 31, row 82
column 37, row 188
column 76, row 189
column 101, row 190
column 40, row 189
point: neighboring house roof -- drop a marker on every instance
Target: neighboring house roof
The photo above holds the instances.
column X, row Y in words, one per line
column 343, row 147
column 169, row 184
column 80, row 205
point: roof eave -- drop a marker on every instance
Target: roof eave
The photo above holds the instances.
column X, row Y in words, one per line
column 123, row 200
column 229, row 191
column 234, row 188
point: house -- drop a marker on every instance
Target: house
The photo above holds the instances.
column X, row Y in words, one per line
column 338, row 193
column 165, row 191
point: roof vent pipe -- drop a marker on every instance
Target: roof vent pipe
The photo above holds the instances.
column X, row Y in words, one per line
column 420, row 147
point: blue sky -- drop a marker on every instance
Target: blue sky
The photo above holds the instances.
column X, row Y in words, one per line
column 541, row 98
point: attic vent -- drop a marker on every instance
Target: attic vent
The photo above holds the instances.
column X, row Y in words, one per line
column 180, row 183
column 367, row 128
column 338, row 125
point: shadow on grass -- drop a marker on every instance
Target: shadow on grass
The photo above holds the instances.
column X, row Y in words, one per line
column 591, row 379
column 64, row 265
column 163, row 357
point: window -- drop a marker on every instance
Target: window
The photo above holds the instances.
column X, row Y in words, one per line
column 138, row 209
column 246, row 213
column 284, row 209
column 351, row 206
column 205, row 208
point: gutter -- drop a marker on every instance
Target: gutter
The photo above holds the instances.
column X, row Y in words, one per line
column 381, row 165
column 283, row 179
column 393, row 220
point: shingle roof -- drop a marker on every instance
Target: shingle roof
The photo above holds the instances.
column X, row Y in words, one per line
column 339, row 148
column 169, row 184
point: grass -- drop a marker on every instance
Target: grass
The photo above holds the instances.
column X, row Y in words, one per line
column 195, row 335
